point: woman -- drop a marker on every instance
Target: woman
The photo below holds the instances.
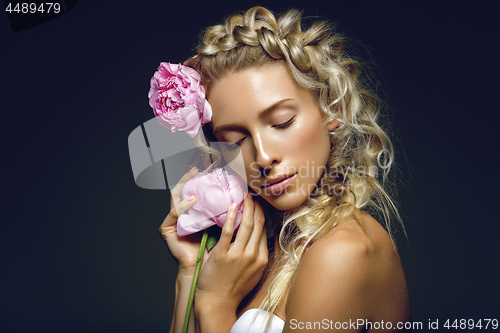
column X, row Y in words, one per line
column 293, row 104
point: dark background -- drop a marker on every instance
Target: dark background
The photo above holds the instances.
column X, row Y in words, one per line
column 79, row 247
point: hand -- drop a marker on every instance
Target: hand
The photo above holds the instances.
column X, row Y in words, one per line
column 183, row 249
column 234, row 269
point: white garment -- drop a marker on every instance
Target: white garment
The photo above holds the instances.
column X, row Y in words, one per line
column 255, row 320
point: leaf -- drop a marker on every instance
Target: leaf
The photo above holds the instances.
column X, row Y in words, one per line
column 213, row 236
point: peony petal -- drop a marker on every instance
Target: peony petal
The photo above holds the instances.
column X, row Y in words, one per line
column 172, row 69
column 192, row 223
column 191, row 186
column 236, row 189
column 192, row 126
column 221, row 219
column 154, row 86
column 238, row 219
column 190, row 72
column 153, row 98
column 216, row 199
column 190, row 115
column 191, row 132
column 207, row 113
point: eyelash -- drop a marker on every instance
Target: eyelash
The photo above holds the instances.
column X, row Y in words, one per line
column 233, row 146
column 285, row 124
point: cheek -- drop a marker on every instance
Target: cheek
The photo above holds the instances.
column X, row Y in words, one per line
column 252, row 173
column 241, row 162
column 313, row 143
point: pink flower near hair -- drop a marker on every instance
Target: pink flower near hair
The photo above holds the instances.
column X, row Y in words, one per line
column 178, row 99
column 214, row 192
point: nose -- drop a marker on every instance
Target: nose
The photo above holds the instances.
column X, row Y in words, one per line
column 267, row 153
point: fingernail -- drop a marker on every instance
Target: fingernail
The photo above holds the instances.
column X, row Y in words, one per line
column 191, row 198
column 233, row 207
column 193, row 168
column 249, row 194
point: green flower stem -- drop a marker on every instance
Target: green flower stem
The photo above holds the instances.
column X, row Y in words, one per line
column 199, row 260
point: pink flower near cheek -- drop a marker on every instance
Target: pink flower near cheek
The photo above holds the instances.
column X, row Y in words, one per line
column 215, row 192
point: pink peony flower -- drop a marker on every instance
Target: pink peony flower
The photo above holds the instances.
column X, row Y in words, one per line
column 214, row 192
column 178, row 99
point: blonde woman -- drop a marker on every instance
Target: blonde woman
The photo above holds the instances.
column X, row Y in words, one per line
column 315, row 159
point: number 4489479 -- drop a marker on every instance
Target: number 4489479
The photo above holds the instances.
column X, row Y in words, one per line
column 471, row 324
column 25, row 8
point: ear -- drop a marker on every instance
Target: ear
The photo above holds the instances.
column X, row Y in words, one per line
column 332, row 124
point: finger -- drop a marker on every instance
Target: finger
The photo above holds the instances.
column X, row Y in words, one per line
column 169, row 224
column 246, row 226
column 176, row 211
column 263, row 243
column 258, row 226
column 228, row 229
column 175, row 199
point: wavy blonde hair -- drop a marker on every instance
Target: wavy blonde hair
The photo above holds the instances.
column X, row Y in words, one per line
column 315, row 58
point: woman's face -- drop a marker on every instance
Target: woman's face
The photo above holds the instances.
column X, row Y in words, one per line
column 279, row 128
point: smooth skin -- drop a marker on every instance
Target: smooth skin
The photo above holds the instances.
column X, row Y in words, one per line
column 348, row 274
column 277, row 126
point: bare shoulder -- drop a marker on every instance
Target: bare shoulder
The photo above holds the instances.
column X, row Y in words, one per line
column 351, row 273
column 350, row 242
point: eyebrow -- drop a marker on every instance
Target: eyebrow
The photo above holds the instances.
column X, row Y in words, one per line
column 261, row 115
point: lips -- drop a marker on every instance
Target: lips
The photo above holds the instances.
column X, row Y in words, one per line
column 277, row 180
column 278, row 185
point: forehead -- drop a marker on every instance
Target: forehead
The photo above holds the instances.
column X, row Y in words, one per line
column 247, row 92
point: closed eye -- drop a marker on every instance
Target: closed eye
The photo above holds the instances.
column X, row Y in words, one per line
column 285, row 124
column 233, row 146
